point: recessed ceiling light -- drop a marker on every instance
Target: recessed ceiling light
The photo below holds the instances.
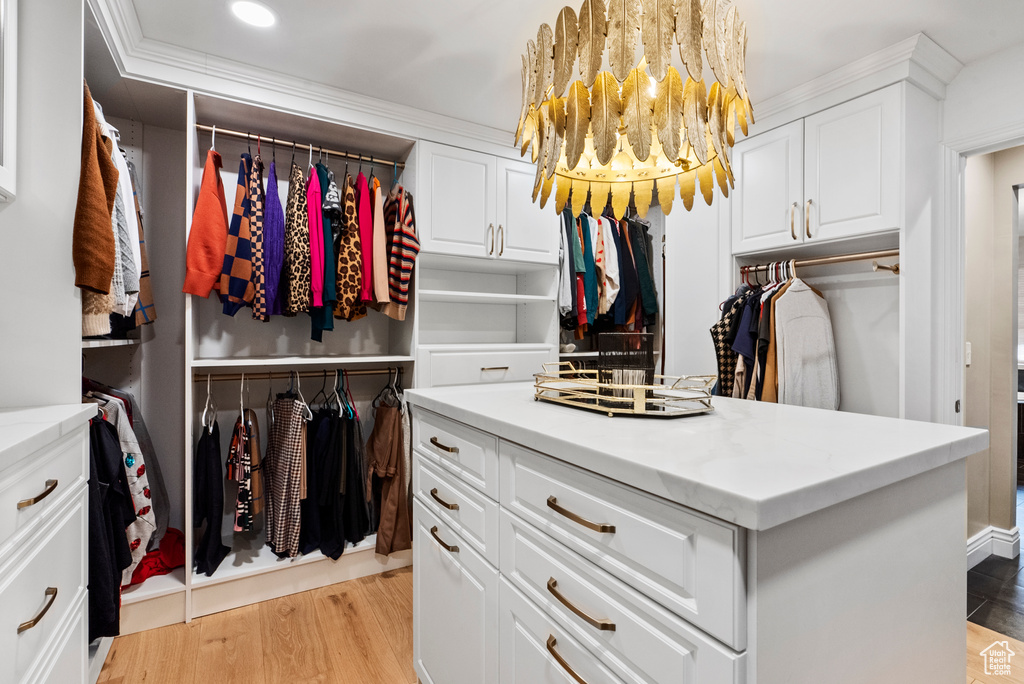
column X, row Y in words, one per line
column 253, row 13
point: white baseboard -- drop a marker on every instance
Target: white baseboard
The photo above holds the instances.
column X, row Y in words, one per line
column 993, row 541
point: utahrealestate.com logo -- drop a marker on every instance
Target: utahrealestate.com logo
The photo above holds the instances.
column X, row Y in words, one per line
column 997, row 658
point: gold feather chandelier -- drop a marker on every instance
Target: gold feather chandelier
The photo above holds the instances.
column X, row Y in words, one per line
column 625, row 128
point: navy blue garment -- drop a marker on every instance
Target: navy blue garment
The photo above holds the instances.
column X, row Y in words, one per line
column 590, row 275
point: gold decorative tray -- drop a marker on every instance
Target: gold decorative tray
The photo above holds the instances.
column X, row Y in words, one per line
column 672, row 397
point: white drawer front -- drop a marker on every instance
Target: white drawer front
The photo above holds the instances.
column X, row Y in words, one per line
column 530, row 641
column 685, row 561
column 56, row 559
column 641, row 639
column 460, row 449
column 71, row 663
column 468, row 368
column 455, row 606
column 471, row 514
column 50, row 473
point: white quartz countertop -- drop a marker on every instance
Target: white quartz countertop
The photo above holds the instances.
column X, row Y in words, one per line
column 23, row 431
column 754, row 464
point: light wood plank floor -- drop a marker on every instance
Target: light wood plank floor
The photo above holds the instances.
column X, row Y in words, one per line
column 978, row 639
column 358, row 631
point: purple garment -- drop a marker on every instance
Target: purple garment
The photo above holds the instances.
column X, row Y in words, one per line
column 273, row 243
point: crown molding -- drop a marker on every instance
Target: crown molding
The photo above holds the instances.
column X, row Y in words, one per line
column 154, row 61
column 918, row 60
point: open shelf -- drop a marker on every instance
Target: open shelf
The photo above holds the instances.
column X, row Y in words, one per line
column 100, row 344
column 457, row 297
column 487, row 347
column 299, row 361
column 578, row 355
column 258, row 561
column 155, row 587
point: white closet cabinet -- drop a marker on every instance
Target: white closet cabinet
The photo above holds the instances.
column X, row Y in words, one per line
column 833, row 175
column 457, row 213
column 525, row 231
column 473, row 204
column 44, row 470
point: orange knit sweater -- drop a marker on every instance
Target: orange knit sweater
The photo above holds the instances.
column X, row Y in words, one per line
column 204, row 255
column 92, row 240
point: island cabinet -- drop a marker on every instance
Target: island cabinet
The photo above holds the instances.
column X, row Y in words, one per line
column 758, row 543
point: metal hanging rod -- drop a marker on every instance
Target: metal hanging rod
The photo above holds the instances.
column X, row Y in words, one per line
column 236, row 376
column 837, row 259
column 252, row 137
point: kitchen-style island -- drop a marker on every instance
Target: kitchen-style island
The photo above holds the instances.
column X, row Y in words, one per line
column 757, row 543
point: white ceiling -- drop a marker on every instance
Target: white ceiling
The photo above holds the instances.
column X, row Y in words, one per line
column 461, row 57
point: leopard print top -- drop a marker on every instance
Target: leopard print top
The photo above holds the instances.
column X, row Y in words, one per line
column 348, row 277
column 297, row 272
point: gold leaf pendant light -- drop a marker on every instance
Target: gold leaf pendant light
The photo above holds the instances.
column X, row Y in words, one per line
column 628, row 129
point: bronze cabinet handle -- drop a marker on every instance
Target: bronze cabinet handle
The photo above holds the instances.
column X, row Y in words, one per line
column 597, row 527
column 50, row 486
column 442, row 447
column 449, row 506
column 447, row 547
column 51, row 596
column 807, row 218
column 494, row 368
column 501, row 232
column 603, row 625
column 552, row 642
column 792, row 220
column 490, row 231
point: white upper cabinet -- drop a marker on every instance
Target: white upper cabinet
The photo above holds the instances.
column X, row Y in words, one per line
column 525, row 231
column 833, row 175
column 769, row 189
column 473, row 204
column 852, row 167
column 456, row 201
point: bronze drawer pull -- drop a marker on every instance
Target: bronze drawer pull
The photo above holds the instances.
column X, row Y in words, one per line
column 490, row 230
column 51, row 595
column 807, row 218
column 447, row 547
column 449, row 506
column 792, row 220
column 597, row 527
column 50, row 486
column 603, row 625
column 442, row 447
column 494, row 368
column 501, row 232
column 561, row 661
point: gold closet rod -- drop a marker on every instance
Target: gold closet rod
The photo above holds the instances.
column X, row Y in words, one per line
column 254, row 137
column 285, row 375
column 837, row 259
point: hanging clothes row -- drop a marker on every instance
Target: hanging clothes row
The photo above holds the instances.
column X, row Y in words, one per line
column 319, row 484
column 129, row 540
column 330, row 252
column 109, row 243
column 606, row 275
column 774, row 342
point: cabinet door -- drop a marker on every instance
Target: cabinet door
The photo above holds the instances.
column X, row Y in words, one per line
column 766, row 205
column 852, row 167
column 456, row 204
column 525, row 231
column 455, row 606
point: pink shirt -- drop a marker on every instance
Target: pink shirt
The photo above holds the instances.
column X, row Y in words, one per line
column 365, row 236
column 314, row 206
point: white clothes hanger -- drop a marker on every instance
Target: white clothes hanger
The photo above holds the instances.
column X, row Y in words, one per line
column 213, row 139
column 210, row 409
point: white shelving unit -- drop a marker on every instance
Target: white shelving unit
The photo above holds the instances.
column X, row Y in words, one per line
column 102, row 344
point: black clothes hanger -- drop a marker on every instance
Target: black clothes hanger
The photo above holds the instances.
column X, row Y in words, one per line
column 248, row 142
column 293, row 153
column 323, row 391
